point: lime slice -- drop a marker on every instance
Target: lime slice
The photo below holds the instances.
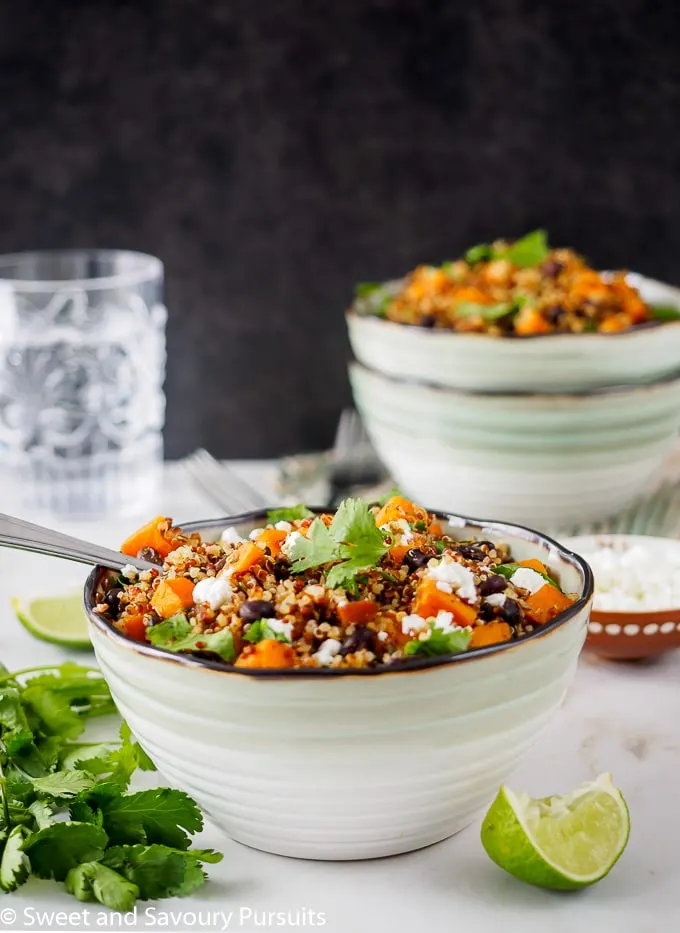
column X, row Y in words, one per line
column 59, row 619
column 558, row 842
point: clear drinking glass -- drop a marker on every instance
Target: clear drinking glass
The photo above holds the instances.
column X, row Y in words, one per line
column 82, row 363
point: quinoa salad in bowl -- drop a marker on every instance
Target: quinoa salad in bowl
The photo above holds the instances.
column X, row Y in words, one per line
column 367, row 587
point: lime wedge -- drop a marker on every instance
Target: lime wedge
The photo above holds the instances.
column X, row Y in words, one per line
column 59, row 619
column 563, row 842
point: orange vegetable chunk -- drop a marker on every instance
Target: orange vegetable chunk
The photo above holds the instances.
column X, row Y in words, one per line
column 490, row 634
column 267, row 653
column 273, row 539
column 546, row 603
column 358, row 612
column 134, row 627
column 430, row 600
column 248, row 556
column 398, row 507
column 533, row 564
column 149, row 535
column 172, row 596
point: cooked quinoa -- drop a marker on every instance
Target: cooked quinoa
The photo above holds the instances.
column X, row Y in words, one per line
column 367, row 586
column 516, row 289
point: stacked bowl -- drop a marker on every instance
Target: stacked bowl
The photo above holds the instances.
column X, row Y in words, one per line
column 550, row 431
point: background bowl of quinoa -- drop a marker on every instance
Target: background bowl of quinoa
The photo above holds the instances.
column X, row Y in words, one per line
column 330, row 763
column 561, row 362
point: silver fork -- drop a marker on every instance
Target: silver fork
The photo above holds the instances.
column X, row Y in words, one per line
column 354, row 462
column 222, row 485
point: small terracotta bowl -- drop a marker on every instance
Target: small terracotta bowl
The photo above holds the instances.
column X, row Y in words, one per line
column 629, row 635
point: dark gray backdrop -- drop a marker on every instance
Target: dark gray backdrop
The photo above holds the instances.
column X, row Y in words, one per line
column 273, row 153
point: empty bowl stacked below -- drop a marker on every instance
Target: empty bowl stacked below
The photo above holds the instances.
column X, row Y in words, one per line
column 550, row 431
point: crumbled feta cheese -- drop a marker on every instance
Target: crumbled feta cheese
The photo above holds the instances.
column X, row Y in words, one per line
column 327, row 651
column 289, row 543
column 527, row 579
column 283, row 526
column 231, row 536
column 495, row 599
column 413, row 623
column 281, row 627
column 634, row 578
column 213, row 591
column 382, row 636
column 444, row 622
column 448, row 570
column 399, row 531
column 255, row 533
column 129, row 572
column 444, row 587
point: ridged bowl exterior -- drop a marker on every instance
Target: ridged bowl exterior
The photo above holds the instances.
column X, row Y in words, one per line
column 552, row 363
column 354, row 766
column 545, row 460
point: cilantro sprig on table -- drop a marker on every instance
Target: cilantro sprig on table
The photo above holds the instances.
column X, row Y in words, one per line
column 66, row 813
column 290, row 513
column 352, row 543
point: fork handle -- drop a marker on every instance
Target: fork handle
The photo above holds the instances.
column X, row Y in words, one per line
column 25, row 536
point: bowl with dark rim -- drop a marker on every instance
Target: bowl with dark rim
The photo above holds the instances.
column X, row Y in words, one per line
column 558, row 362
column 348, row 764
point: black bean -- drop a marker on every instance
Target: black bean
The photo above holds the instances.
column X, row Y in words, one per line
column 220, row 564
column 511, row 612
column 551, row 268
column 361, row 638
column 112, row 599
column 414, row 558
column 254, row 609
column 554, row 313
column 427, row 320
column 150, row 554
column 487, row 612
column 470, row 552
column 493, row 584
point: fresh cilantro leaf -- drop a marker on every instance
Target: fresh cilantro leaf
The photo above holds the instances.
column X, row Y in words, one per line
column 508, row 570
column 352, row 538
column 291, row 513
column 440, row 546
column 54, row 851
column 389, row 495
column 438, row 643
column 14, row 865
column 54, row 711
column 363, row 289
column 206, row 855
column 373, row 298
column 480, row 253
column 150, row 816
column 485, row 312
column 419, row 526
column 12, row 713
column 41, row 813
column 144, row 763
column 86, row 758
column 175, row 635
column 664, row 312
column 63, row 784
column 317, row 548
column 261, row 631
column 530, row 250
column 157, row 870
column 93, row 881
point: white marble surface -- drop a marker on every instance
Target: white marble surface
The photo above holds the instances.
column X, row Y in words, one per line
column 619, row 718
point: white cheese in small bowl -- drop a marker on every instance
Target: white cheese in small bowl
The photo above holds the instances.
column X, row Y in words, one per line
column 633, row 573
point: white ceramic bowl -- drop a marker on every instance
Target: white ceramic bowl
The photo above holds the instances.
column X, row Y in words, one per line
column 551, row 363
column 550, row 461
column 330, row 764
